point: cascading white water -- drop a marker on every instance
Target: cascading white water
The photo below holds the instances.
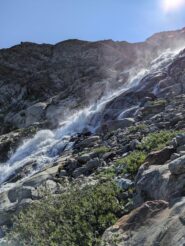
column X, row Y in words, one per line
column 46, row 146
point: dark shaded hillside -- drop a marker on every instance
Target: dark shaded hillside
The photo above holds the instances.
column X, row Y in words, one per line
column 76, row 70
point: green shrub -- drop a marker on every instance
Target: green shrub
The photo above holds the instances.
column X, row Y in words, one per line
column 132, row 162
column 101, row 150
column 107, row 174
column 134, row 129
column 159, row 102
column 129, row 164
column 153, row 141
column 75, row 218
column 157, row 140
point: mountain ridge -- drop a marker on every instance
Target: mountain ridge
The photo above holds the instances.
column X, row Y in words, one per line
column 42, row 71
column 168, row 32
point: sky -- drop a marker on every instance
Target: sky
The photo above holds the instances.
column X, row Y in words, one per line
column 51, row 21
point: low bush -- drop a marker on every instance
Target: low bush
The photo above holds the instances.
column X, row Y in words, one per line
column 101, row 150
column 134, row 129
column 132, row 162
column 157, row 140
column 75, row 218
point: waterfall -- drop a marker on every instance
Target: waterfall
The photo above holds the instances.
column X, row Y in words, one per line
column 46, row 146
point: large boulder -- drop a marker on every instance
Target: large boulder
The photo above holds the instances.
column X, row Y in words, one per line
column 179, row 140
column 159, row 157
column 87, row 168
column 153, row 223
column 156, row 182
column 84, row 158
column 15, row 196
column 35, row 113
column 115, row 124
column 87, row 143
column 24, row 118
column 154, row 107
column 10, row 141
column 177, row 166
column 70, row 165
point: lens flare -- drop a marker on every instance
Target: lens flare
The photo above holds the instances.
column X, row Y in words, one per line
column 172, row 5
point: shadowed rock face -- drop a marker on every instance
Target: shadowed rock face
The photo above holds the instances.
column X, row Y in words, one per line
column 71, row 73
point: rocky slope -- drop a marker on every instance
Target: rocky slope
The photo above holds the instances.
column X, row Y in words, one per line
column 138, row 137
column 37, row 82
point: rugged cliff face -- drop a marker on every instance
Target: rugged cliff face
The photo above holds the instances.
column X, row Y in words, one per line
column 86, row 113
column 38, row 82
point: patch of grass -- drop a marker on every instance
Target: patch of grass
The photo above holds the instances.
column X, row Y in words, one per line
column 101, row 150
column 77, row 217
column 132, row 162
column 159, row 102
column 134, row 129
column 157, row 140
column 108, row 173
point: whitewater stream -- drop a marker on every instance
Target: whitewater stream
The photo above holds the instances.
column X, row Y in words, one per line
column 46, row 146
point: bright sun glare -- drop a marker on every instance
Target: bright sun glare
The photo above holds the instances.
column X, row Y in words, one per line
column 170, row 5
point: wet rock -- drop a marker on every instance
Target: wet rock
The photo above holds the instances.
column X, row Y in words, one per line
column 39, row 178
column 128, row 113
column 115, row 124
column 10, row 141
column 22, row 172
